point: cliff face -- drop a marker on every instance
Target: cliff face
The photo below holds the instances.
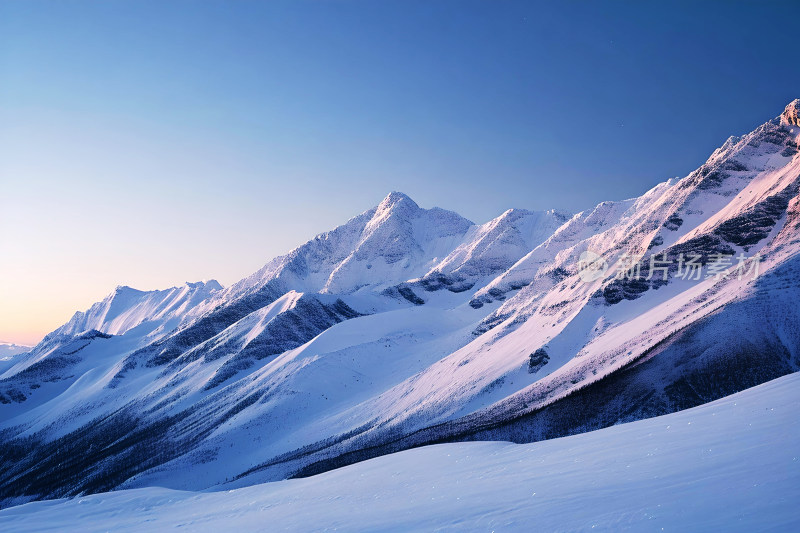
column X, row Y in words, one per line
column 789, row 116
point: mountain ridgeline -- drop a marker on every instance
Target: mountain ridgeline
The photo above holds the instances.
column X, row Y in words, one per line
column 408, row 326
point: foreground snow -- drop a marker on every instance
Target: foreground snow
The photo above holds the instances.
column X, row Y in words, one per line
column 730, row 465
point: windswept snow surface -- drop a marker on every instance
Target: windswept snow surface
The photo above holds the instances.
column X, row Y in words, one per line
column 729, row 465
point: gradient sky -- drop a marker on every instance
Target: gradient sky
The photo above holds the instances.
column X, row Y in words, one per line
column 152, row 143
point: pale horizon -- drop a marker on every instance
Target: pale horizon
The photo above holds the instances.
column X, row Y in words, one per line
column 402, row 265
column 142, row 147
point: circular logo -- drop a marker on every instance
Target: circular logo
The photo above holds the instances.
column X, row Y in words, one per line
column 591, row 266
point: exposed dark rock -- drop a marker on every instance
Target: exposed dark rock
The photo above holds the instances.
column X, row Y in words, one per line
column 438, row 281
column 491, row 321
column 753, row 225
column 475, row 303
column 707, row 247
column 94, row 334
column 496, row 293
column 673, row 222
column 170, row 348
column 537, row 360
column 686, row 369
column 734, row 166
column 557, row 275
column 658, row 240
column 288, row 330
column 712, row 178
column 409, row 295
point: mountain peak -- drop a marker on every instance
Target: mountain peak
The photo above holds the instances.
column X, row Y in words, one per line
column 210, row 284
column 124, row 289
column 789, row 117
column 397, row 199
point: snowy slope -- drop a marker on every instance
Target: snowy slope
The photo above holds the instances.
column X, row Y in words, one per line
column 8, row 351
column 492, row 248
column 204, row 365
column 592, row 338
column 544, row 255
column 92, row 340
column 151, row 313
column 620, row 351
column 390, row 243
column 126, row 308
column 408, row 326
column 730, row 465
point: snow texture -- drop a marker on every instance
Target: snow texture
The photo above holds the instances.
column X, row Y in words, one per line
column 730, row 465
column 408, row 326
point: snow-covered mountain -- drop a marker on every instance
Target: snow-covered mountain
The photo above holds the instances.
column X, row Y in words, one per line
column 43, row 372
column 647, row 475
column 408, row 326
column 8, row 351
column 127, row 308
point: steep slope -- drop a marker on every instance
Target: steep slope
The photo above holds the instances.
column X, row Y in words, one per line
column 55, row 364
column 648, row 475
column 543, row 257
column 208, row 363
column 153, row 312
column 558, row 357
column 127, row 308
column 492, row 248
column 409, row 326
column 383, row 246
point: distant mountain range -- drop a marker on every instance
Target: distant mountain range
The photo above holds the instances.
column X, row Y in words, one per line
column 8, row 350
column 408, row 326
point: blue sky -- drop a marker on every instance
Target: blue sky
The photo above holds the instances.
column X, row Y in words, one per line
column 151, row 143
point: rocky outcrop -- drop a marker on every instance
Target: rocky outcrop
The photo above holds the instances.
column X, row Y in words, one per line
column 789, row 117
